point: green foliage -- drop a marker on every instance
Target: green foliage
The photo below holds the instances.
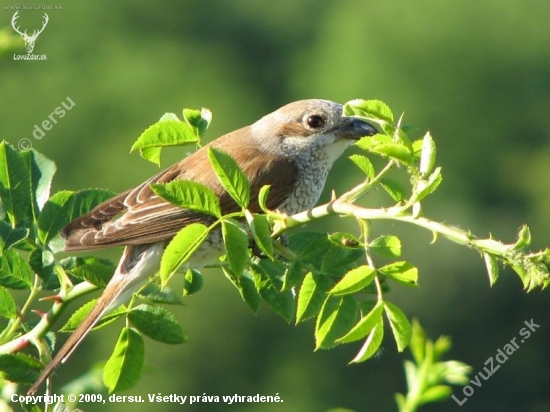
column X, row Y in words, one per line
column 340, row 281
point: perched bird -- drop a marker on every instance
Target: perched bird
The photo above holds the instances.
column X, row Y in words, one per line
column 291, row 149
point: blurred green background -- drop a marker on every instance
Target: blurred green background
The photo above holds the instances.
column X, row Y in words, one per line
column 476, row 74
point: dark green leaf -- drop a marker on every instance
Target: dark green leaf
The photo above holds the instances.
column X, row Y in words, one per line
column 355, row 280
column 230, row 175
column 181, row 247
column 95, row 270
column 294, row 274
column 198, row 119
column 80, row 314
column 20, row 368
column 15, row 272
column 261, row 232
column 10, row 236
column 192, row 282
column 123, row 369
column 15, row 190
column 389, row 246
column 156, row 294
column 246, row 287
column 394, row 189
column 365, row 325
column 372, row 343
column 338, row 315
column 8, row 308
column 281, row 302
column 189, row 195
column 313, row 293
column 400, row 325
column 42, row 263
column 157, row 323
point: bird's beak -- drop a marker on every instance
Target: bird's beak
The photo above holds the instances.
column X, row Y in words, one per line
column 354, row 128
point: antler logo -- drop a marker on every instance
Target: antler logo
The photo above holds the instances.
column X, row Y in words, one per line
column 29, row 40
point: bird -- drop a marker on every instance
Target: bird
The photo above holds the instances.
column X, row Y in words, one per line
column 291, row 149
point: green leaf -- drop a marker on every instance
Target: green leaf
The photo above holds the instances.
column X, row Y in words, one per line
column 164, row 133
column 198, row 119
column 523, row 238
column 338, row 315
column 402, row 272
column 123, row 369
column 425, row 187
column 8, row 308
column 15, row 190
column 313, row 293
column 375, row 109
column 95, row 270
column 189, row 195
column 42, row 263
column 41, row 171
column 365, row 325
column 156, row 294
column 400, row 325
column 427, row 156
column 157, row 323
column 262, row 197
column 181, row 247
column 230, row 176
column 438, row 393
column 246, row 287
column 80, row 314
column 281, row 302
column 236, row 245
column 20, row 368
column 355, row 280
column 261, row 232
column 345, row 240
column 394, row 189
column 65, row 206
column 192, row 282
column 385, row 146
column 389, row 246
column 492, row 267
column 10, row 236
column 372, row 343
column 364, row 164
column 15, row 272
column 294, row 274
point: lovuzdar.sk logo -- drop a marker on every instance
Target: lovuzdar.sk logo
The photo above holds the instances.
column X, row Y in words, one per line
column 29, row 39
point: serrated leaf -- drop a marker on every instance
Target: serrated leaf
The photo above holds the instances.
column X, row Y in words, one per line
column 402, row 272
column 8, row 309
column 189, row 195
column 15, row 272
column 394, row 189
column 65, row 206
column 42, row 263
column 281, row 302
column 492, row 268
column 370, row 108
column 246, row 287
column 425, row 187
column 346, row 240
column 10, row 236
column 337, row 316
column 156, row 294
column 389, row 246
column 198, row 119
column 181, row 247
column 365, row 325
column 400, row 325
column 157, row 323
column 123, row 369
column 15, row 190
column 523, row 238
column 364, row 164
column 94, row 270
column 236, row 245
column 313, row 293
column 372, row 343
column 80, row 314
column 41, row 171
column 164, row 133
column 294, row 274
column 261, row 232
column 20, row 368
column 355, row 280
column 230, row 175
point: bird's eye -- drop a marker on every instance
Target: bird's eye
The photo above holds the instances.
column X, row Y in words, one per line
column 315, row 121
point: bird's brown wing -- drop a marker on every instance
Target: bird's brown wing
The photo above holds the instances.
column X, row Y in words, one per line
column 139, row 216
